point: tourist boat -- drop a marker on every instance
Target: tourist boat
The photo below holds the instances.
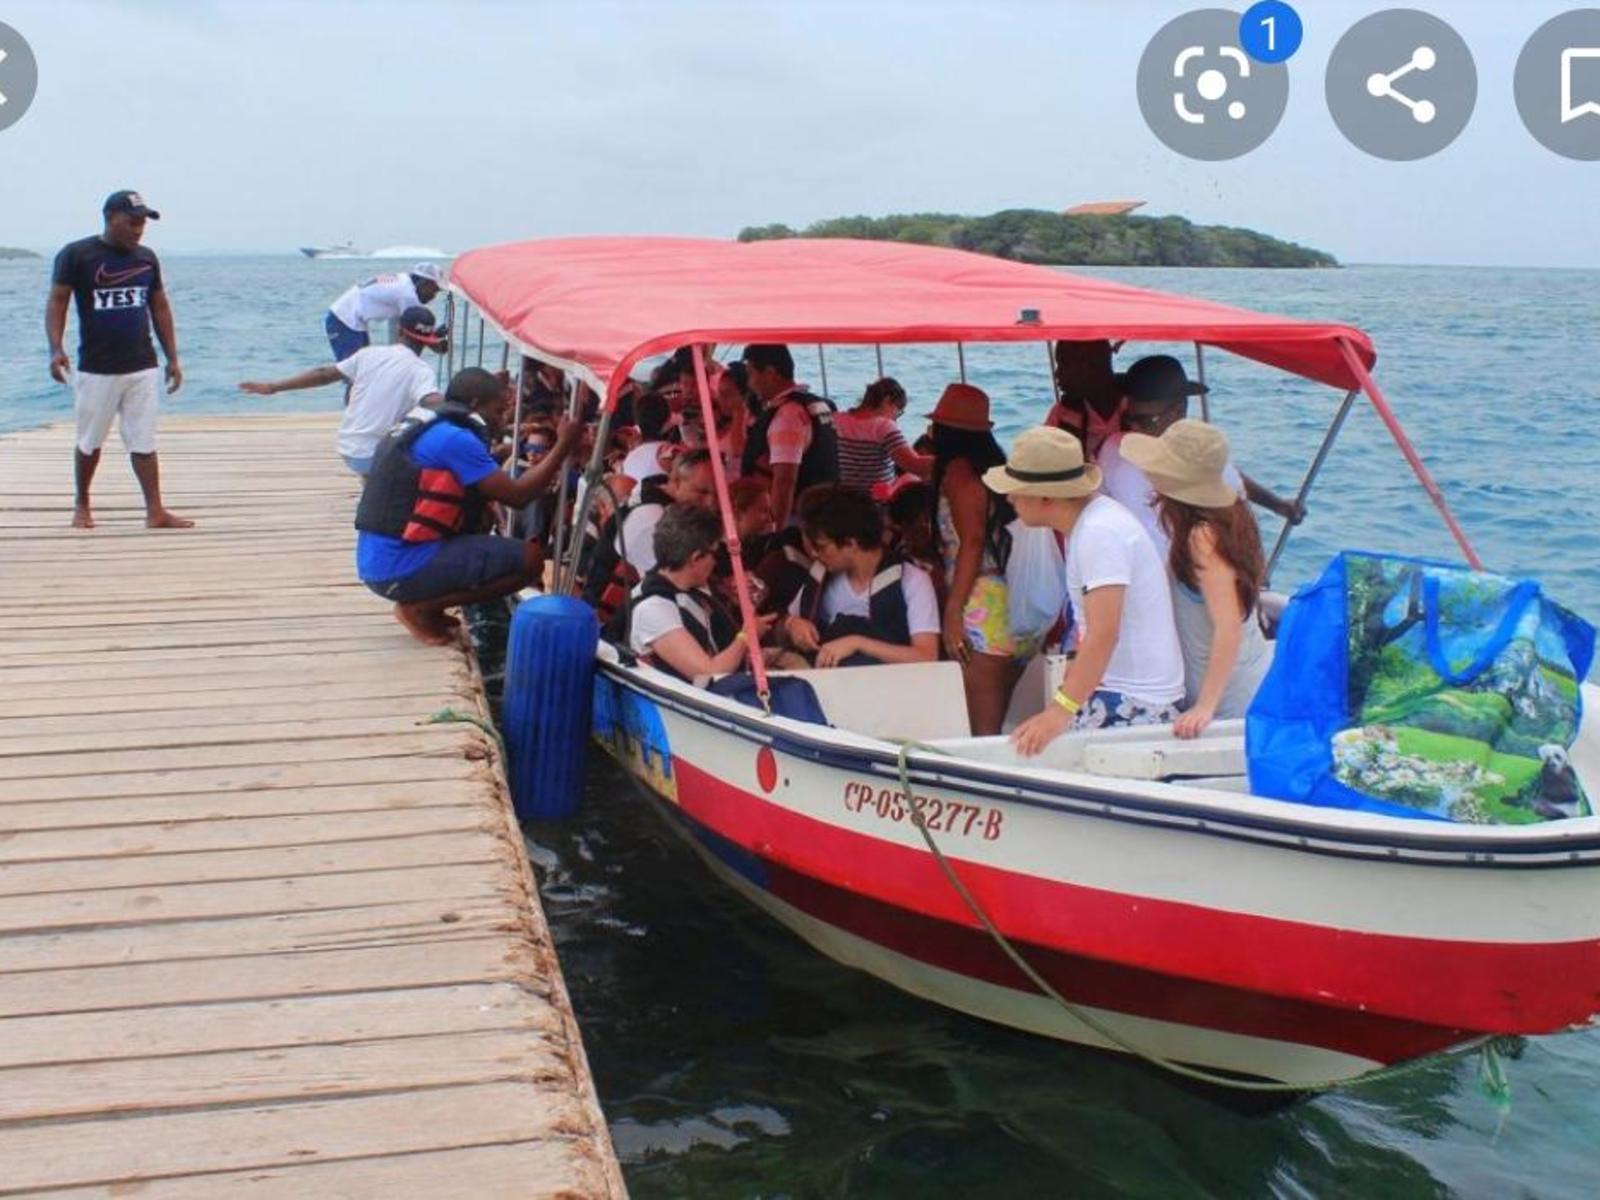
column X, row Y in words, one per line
column 1175, row 914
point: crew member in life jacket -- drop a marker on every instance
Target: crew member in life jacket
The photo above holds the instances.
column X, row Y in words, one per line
column 866, row 607
column 423, row 504
column 675, row 623
column 793, row 438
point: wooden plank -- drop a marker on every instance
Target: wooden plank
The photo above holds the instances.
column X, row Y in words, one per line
column 361, row 739
column 237, row 777
column 140, row 1033
column 375, row 924
column 515, row 1171
column 385, row 850
column 231, row 1077
column 227, row 697
column 127, row 1149
column 472, row 959
column 228, row 805
column 41, row 911
column 137, row 727
column 225, row 667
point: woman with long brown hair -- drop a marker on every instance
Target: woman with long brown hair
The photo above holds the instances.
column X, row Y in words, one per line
column 1217, row 570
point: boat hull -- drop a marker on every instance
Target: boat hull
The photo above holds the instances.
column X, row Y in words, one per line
column 1249, row 955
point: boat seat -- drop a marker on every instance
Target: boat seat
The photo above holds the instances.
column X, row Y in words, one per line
column 1166, row 757
column 895, row 701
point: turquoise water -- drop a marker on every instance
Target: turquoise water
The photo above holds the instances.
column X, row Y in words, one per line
column 733, row 1061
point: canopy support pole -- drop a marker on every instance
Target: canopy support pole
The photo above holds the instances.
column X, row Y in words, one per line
column 822, row 367
column 1050, row 358
column 961, row 361
column 878, row 349
column 574, row 413
column 1359, row 370
column 730, row 530
column 1200, row 378
column 516, row 442
column 1311, row 478
column 442, row 371
column 480, row 337
column 567, row 579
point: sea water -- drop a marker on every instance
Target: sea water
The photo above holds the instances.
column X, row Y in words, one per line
column 732, row 1060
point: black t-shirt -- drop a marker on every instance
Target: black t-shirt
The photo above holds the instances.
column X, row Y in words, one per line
column 113, row 289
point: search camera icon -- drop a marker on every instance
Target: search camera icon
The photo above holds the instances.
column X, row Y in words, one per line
column 1557, row 84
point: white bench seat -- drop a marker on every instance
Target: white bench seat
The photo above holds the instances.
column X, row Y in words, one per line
column 895, row 701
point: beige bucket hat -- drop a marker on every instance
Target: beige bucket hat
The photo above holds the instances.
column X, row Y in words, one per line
column 1186, row 463
column 1044, row 461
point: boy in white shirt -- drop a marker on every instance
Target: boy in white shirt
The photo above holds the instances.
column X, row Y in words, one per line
column 859, row 607
column 1129, row 665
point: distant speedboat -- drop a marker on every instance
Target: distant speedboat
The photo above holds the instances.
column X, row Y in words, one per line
column 342, row 250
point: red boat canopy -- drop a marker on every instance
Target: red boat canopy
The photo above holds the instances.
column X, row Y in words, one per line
column 603, row 303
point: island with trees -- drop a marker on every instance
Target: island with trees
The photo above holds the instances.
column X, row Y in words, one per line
column 14, row 252
column 1068, row 239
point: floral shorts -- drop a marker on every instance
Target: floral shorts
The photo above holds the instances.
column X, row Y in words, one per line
column 1106, row 709
column 988, row 621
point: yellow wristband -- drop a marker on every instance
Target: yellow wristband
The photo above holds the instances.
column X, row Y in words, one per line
column 740, row 637
column 1067, row 702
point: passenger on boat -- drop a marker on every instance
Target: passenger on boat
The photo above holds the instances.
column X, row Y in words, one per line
column 691, row 481
column 1089, row 393
column 423, row 503
column 544, row 388
column 973, row 544
column 1217, row 570
column 1129, row 666
column 381, row 298
column 793, row 439
column 908, row 513
column 737, row 406
column 868, row 607
column 653, row 454
column 871, row 447
column 1158, row 394
column 383, row 384
column 674, row 622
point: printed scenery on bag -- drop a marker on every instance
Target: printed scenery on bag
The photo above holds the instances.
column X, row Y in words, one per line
column 1491, row 748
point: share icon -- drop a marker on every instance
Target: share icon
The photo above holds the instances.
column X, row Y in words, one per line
column 1381, row 84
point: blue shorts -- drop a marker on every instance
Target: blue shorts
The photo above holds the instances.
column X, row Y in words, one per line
column 344, row 340
column 1107, row 709
column 464, row 563
column 361, row 466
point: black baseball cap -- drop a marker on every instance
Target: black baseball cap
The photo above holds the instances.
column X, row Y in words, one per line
column 417, row 323
column 129, row 202
column 1159, row 380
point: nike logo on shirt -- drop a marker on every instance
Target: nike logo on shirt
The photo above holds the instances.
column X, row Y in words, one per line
column 110, row 279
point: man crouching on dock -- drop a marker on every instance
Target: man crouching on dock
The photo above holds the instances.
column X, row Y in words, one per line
column 423, row 505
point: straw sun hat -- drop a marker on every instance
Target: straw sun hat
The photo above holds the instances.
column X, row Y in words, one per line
column 1044, row 461
column 1186, row 463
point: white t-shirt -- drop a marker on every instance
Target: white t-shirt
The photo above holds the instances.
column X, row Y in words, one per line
column 1108, row 547
column 651, row 620
column 386, row 382
column 637, row 540
column 1130, row 487
column 643, row 461
column 381, row 298
column 840, row 599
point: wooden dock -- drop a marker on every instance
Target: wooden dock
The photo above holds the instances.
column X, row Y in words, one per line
column 264, row 931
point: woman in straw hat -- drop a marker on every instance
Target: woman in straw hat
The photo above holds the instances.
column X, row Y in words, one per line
column 973, row 544
column 1129, row 667
column 1217, row 569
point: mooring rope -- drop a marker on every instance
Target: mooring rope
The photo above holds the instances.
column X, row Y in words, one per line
column 448, row 714
column 1491, row 1069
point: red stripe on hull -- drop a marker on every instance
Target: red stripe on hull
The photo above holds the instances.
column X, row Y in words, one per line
column 1444, row 987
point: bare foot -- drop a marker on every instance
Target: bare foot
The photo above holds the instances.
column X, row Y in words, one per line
column 81, row 518
column 162, row 519
column 449, row 622
column 425, row 629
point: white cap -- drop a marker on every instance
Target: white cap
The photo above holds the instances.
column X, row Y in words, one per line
column 430, row 272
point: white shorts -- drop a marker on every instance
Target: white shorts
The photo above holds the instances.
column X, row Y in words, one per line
column 101, row 397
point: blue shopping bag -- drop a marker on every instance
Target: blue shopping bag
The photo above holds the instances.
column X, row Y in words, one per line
column 1423, row 689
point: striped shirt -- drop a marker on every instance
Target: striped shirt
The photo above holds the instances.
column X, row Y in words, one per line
column 867, row 443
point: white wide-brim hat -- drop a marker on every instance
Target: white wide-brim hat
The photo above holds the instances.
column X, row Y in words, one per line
column 1044, row 461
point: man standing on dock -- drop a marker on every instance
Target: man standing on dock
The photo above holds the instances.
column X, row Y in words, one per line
column 381, row 298
column 117, row 285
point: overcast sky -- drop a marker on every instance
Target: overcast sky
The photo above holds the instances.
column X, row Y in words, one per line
column 265, row 126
